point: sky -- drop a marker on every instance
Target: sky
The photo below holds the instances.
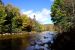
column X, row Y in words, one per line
column 40, row 8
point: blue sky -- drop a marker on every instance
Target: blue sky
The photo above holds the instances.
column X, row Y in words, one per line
column 40, row 8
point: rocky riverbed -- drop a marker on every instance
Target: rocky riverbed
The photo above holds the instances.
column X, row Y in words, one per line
column 41, row 41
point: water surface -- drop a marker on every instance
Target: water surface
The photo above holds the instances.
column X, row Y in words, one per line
column 41, row 41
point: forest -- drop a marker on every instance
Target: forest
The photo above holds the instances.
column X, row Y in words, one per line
column 63, row 16
column 12, row 21
column 17, row 29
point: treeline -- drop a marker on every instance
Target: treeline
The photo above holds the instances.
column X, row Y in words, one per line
column 63, row 16
column 11, row 20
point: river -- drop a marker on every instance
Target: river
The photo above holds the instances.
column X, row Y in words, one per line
column 41, row 41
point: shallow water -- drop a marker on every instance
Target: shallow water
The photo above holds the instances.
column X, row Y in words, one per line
column 41, row 41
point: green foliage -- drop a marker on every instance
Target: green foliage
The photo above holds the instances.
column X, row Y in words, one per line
column 62, row 15
column 12, row 21
column 11, row 18
column 2, row 17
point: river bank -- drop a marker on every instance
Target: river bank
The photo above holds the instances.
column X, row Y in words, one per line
column 26, row 41
column 15, row 41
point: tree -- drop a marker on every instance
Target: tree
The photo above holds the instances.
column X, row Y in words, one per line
column 2, row 17
column 65, row 40
column 1, row 2
column 12, row 21
column 63, row 15
column 12, row 18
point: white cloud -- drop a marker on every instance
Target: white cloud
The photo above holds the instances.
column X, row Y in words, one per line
column 42, row 16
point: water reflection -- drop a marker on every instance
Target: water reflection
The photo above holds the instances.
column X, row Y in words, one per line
column 35, row 41
column 41, row 41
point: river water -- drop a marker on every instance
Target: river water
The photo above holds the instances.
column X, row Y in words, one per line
column 41, row 41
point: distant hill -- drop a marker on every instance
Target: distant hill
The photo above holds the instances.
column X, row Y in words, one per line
column 49, row 27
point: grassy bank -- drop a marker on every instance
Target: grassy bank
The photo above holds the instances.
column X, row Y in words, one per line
column 15, row 35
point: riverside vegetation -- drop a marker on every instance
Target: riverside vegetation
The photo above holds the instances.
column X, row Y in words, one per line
column 63, row 16
column 16, row 29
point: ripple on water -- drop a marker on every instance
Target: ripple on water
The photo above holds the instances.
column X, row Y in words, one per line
column 41, row 41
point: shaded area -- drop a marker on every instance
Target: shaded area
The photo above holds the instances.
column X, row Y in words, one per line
column 5, row 44
column 15, row 43
column 64, row 41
